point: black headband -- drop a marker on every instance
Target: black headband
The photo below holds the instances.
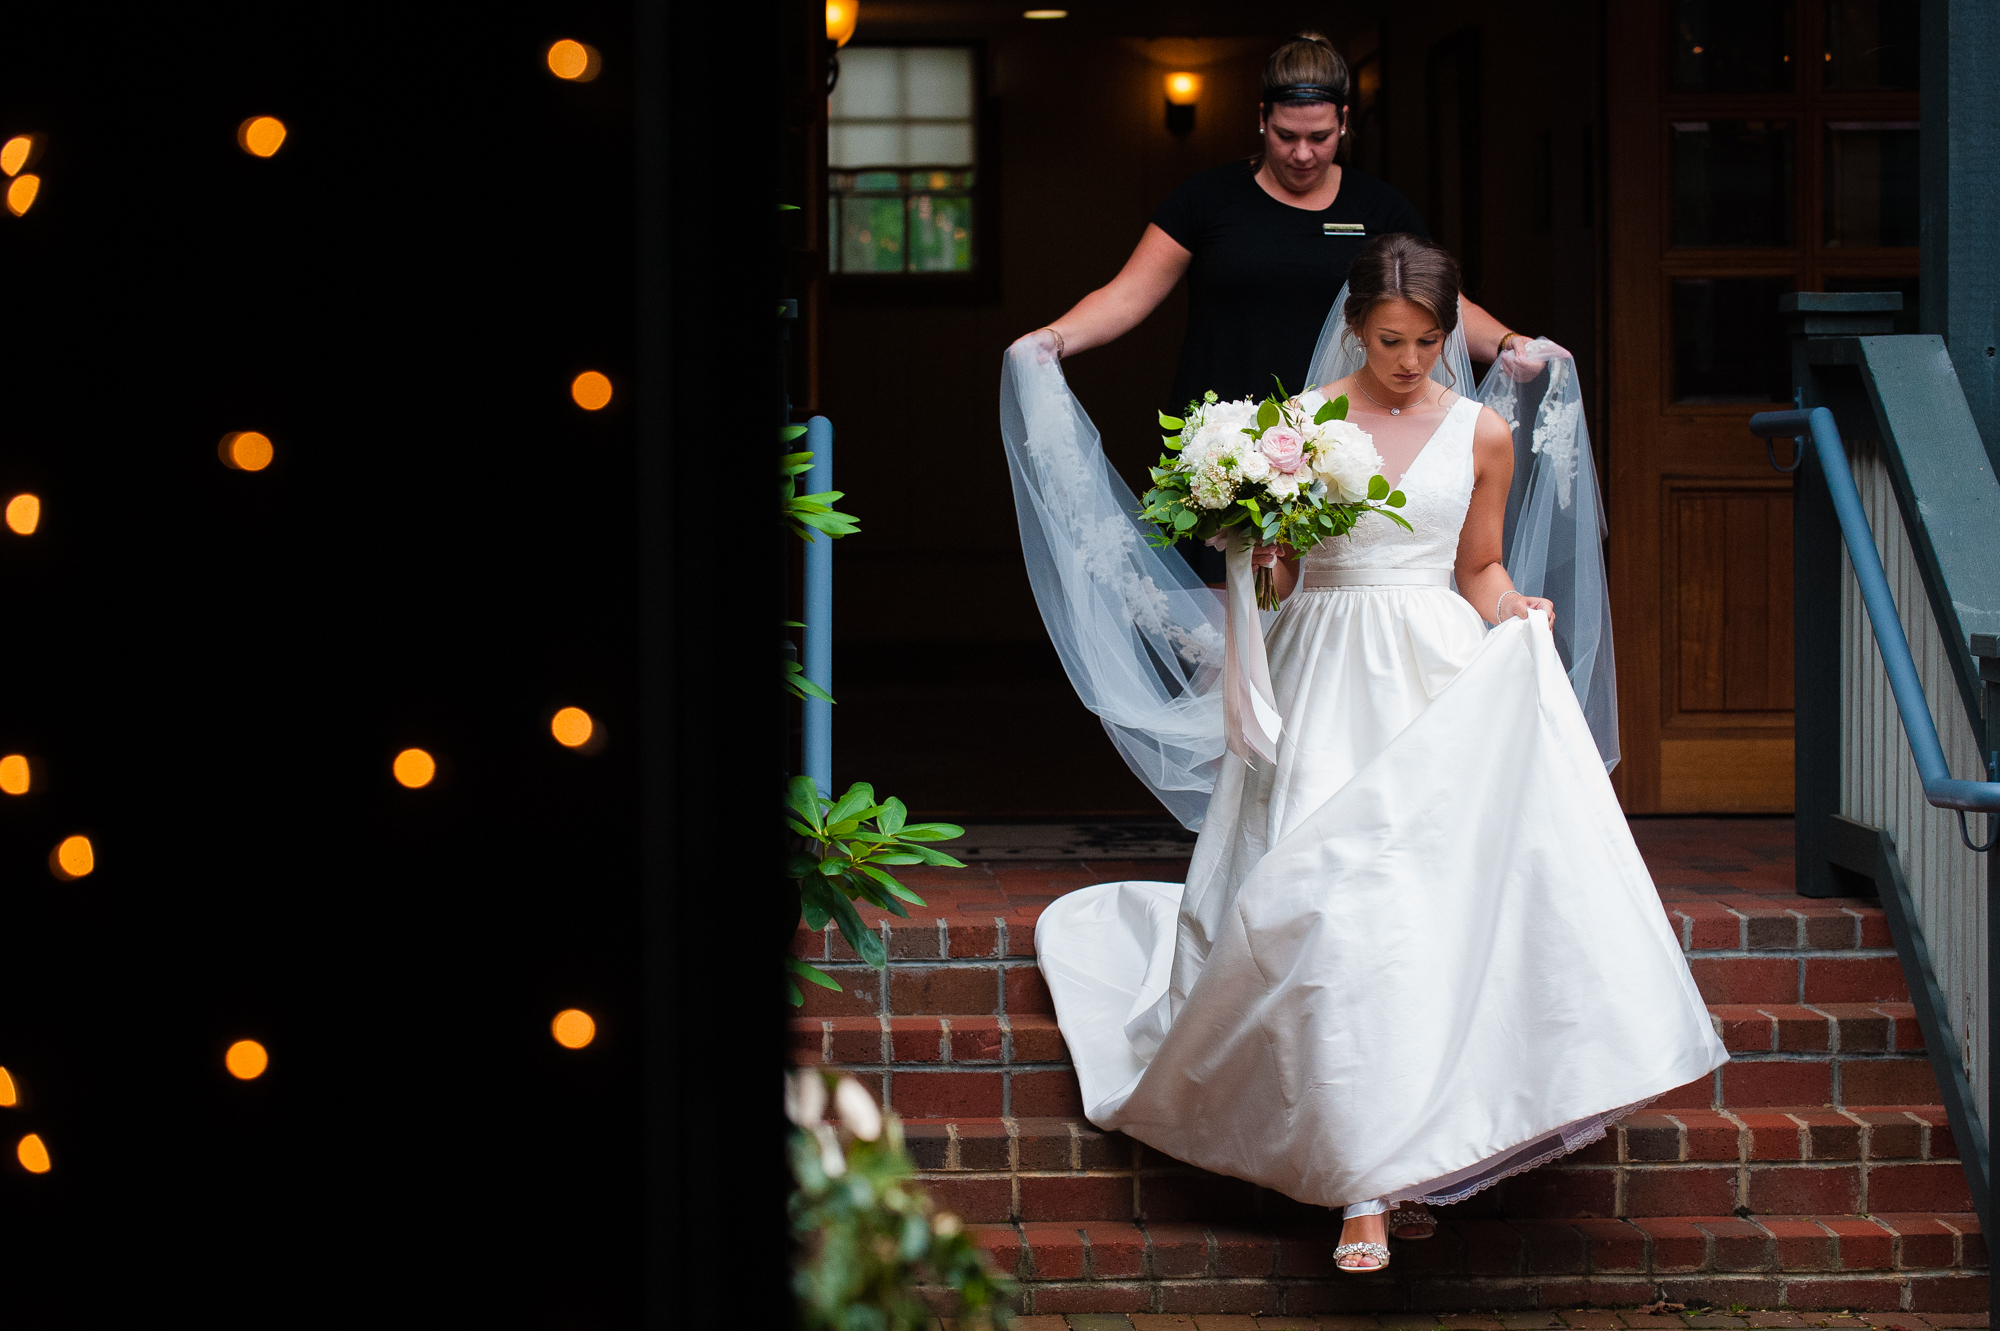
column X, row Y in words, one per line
column 1305, row 92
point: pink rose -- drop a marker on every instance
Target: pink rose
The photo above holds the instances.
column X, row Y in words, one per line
column 1284, row 447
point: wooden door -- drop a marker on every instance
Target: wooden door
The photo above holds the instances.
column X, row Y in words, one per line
column 1754, row 149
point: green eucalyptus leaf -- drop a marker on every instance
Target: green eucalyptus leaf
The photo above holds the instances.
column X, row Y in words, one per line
column 1184, row 519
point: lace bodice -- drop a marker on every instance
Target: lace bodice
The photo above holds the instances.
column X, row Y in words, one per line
column 1438, row 487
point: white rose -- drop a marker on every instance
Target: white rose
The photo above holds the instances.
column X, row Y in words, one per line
column 1347, row 460
column 1282, row 486
column 1254, row 466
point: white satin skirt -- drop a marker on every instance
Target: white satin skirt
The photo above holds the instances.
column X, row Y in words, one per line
column 1417, row 954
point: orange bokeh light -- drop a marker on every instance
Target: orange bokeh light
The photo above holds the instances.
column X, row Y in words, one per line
column 16, row 153
column 245, row 450
column 74, row 858
column 591, row 390
column 260, row 136
column 33, row 1155
column 246, row 1060
column 24, row 514
column 572, row 727
column 573, row 1028
column 15, row 775
column 1183, row 89
column 21, row 194
column 574, row 61
column 414, row 768
column 9, row 1096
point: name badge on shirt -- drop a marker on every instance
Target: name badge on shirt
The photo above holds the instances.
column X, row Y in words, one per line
column 1342, row 229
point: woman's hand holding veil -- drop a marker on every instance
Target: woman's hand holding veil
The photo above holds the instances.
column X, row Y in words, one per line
column 1044, row 344
column 1526, row 358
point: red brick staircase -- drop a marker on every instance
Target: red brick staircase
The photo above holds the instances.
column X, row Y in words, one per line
column 1814, row 1171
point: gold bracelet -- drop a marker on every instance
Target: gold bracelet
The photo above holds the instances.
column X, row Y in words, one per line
column 1059, row 339
column 1503, row 341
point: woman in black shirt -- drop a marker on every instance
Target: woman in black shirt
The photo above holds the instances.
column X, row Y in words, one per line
column 1264, row 245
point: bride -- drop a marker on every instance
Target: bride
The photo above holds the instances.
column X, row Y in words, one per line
column 1417, row 951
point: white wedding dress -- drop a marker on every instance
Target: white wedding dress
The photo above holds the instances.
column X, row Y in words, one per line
column 1418, row 952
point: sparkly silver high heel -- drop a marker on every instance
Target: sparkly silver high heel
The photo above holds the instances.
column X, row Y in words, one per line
column 1412, row 1221
column 1379, row 1251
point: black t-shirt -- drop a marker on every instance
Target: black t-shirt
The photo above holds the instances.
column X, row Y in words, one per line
column 1265, row 274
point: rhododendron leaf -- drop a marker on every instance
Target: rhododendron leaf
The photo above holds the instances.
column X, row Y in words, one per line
column 803, row 796
column 859, row 796
column 894, row 815
column 812, row 974
column 791, row 432
column 1378, row 488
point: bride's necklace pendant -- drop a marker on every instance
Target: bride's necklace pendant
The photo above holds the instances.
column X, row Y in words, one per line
column 1395, row 411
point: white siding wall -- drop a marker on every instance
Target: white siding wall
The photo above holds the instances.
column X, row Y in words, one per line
column 1879, row 782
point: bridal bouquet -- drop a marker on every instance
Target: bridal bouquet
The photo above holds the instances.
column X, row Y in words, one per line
column 1286, row 471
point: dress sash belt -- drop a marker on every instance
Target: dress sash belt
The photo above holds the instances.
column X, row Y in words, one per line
column 1317, row 578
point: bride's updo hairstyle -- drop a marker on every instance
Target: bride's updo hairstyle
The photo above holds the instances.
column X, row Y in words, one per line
column 1305, row 69
column 1400, row 266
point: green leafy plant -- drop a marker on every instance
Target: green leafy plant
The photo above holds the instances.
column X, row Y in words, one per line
column 806, row 514
column 869, row 1232
column 850, row 844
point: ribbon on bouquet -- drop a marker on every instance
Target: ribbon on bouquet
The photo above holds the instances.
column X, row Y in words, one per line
column 1249, row 705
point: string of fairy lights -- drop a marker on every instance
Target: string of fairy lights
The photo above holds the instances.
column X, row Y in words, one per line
column 74, row 857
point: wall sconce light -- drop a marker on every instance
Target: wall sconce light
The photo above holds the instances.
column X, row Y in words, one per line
column 841, row 16
column 1183, row 91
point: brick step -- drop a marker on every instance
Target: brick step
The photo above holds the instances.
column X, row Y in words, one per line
column 990, row 1065
column 1835, row 1162
column 941, row 964
column 989, row 921
column 1909, row 1261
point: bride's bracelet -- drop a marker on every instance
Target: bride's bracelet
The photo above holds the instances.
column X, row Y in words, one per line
column 1051, row 328
column 1502, row 601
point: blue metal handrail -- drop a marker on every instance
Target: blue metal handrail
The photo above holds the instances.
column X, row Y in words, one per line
column 818, row 663
column 1941, row 789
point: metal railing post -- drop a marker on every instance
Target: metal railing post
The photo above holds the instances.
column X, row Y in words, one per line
column 818, row 663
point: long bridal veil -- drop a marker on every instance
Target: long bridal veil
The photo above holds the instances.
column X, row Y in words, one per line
column 1554, row 533
column 1146, row 643
column 1141, row 637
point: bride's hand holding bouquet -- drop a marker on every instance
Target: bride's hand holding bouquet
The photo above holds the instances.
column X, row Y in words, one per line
column 1287, row 472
